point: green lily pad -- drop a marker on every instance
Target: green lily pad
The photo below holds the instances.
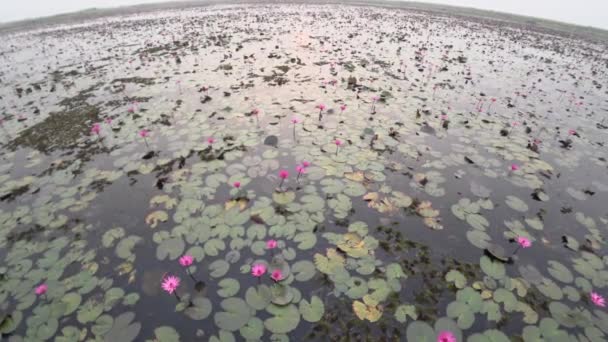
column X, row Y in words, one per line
column 258, row 297
column 199, row 309
column 166, row 334
column 123, row 330
column 228, row 287
column 313, row 311
column 402, row 311
column 284, row 320
column 235, row 315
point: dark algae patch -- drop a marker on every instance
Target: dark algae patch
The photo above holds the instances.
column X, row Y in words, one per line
column 60, row 130
column 303, row 172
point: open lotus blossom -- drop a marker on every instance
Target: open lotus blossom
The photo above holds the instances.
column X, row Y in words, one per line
column 41, row 289
column 210, row 140
column 96, row 128
column 597, row 299
column 258, row 270
column 305, row 163
column 300, row 169
column 338, row 142
column 295, row 120
column 186, row 260
column 144, row 133
column 271, row 244
column 446, row 336
column 237, row 184
column 170, row 284
column 276, row 275
column 283, row 174
column 524, row 242
column 514, row 167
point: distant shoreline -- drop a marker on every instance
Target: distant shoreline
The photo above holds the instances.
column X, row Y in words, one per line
column 529, row 23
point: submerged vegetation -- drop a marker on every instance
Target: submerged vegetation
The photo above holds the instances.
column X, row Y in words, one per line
column 290, row 172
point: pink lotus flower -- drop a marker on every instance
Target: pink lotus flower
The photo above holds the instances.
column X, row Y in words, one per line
column 41, row 289
column 375, row 98
column 295, row 120
column 300, row 169
column 338, row 142
column 597, row 299
column 258, row 270
column 571, row 132
column 444, row 117
column 276, row 275
column 237, row 184
column 186, row 260
column 210, row 140
column 96, row 128
column 131, row 110
column 321, row 106
column 144, row 133
column 493, row 99
column 343, row 107
column 283, row 174
column 514, row 167
column 170, row 284
column 305, row 163
column 271, row 244
column 255, row 111
column 446, row 336
column 524, row 242
column 108, row 121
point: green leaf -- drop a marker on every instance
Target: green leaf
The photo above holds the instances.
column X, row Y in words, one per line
column 420, row 332
column 457, row 278
column 72, row 301
column 258, row 297
column 312, row 312
column 286, row 318
column 200, row 309
column 166, row 334
column 306, row 240
column 235, row 315
column 402, row 311
column 516, row 204
column 103, row 324
column 122, row 329
column 283, row 198
column 89, row 311
column 303, row 270
column 172, row 248
column 228, row 287
column 253, row 330
column 492, row 268
column 560, row 272
column 218, row 268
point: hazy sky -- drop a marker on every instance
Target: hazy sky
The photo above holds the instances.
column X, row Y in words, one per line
column 584, row 12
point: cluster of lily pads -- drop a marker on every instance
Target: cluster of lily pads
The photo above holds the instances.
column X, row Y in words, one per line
column 145, row 169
